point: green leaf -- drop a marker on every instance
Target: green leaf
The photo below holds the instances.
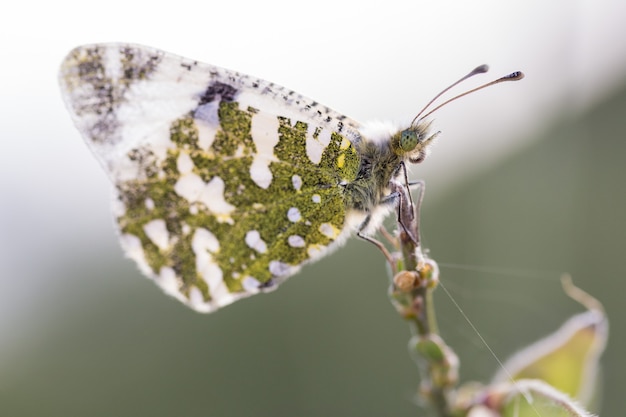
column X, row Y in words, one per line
column 568, row 359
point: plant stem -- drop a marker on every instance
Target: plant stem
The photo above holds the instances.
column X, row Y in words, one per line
column 412, row 294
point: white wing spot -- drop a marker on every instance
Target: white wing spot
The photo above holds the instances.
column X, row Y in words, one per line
column 207, row 122
column 192, row 188
column 260, row 172
column 203, row 240
column 264, row 131
column 239, row 152
column 297, row 182
column 208, row 113
column 156, row 230
column 315, row 251
column 316, row 198
column 203, row 244
column 211, row 273
column 293, row 214
column 250, row 284
column 296, row 241
column 279, row 269
column 206, row 135
column 149, row 204
column 329, row 230
column 254, row 241
column 315, row 146
column 184, row 163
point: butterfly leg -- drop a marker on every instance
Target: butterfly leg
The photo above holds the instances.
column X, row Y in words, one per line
column 375, row 242
column 405, row 211
column 408, row 211
column 405, row 174
column 420, row 185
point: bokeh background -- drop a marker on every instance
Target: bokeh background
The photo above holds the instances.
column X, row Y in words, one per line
column 526, row 181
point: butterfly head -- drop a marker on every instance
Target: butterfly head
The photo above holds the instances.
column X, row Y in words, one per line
column 413, row 142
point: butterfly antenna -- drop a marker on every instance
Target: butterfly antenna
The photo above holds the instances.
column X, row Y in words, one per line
column 514, row 76
column 478, row 70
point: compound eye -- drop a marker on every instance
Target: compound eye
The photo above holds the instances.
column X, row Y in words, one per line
column 408, row 140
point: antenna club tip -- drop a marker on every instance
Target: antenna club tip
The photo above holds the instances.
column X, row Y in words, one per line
column 514, row 76
column 481, row 69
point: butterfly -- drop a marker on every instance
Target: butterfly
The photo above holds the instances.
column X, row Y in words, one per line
column 226, row 184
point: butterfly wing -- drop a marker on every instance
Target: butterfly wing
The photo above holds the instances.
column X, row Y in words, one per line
column 225, row 184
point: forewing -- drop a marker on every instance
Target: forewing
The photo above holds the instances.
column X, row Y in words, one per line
column 225, row 184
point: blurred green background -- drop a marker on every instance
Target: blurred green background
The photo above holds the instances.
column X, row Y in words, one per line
column 527, row 181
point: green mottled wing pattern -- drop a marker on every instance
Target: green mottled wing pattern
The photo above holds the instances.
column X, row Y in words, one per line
column 225, row 184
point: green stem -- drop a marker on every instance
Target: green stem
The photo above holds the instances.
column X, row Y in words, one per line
column 412, row 294
column 431, row 317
